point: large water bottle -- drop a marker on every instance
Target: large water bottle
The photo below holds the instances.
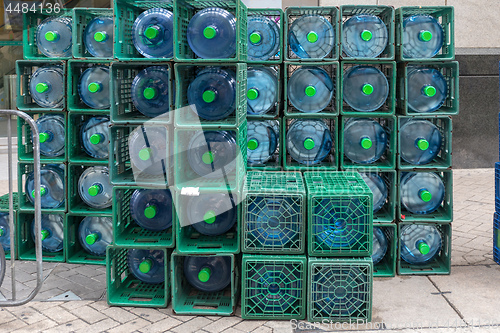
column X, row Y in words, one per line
column 212, row 32
column 98, row 37
column 310, row 89
column 420, row 141
column 423, row 36
column 153, row 33
column 95, row 137
column 54, row 37
column 308, row 141
column 95, row 233
column 364, row 36
column 213, row 93
column 379, row 189
column 263, row 38
column 52, row 232
column 420, row 243
column 152, row 209
column 5, row 231
column 311, row 36
column 212, row 154
column 262, row 140
column 365, row 88
column 147, row 265
column 150, row 90
column 52, row 189
column 262, row 90
column 95, row 188
column 208, row 274
column 93, row 87
column 52, row 133
column 47, row 87
column 148, row 150
column 380, row 245
column 365, row 140
column 211, row 214
column 421, row 192
column 427, row 89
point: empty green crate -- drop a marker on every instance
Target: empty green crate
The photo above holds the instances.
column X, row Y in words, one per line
column 187, row 300
column 439, row 265
column 82, row 17
column 273, row 287
column 385, row 13
column 124, row 289
column 444, row 15
column 184, row 10
column 126, row 232
column 276, row 15
column 4, row 209
column 274, row 213
column 339, row 214
column 275, row 112
column 75, row 202
column 187, row 117
column 340, row 290
column 75, row 152
column 444, row 159
column 274, row 163
column 387, row 266
column 294, row 13
column 75, row 70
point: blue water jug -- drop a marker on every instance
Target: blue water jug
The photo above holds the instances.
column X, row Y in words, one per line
column 150, row 90
column 208, row 274
column 380, row 245
column 423, row 36
column 420, row 141
column 153, row 33
column 308, row 141
column 211, row 214
column 98, row 37
column 52, row 134
column 147, row 265
column 148, row 150
column 152, row 209
column 262, row 140
column 54, row 37
column 420, row 243
column 365, row 88
column 421, row 192
column 262, row 90
column 427, row 89
column 310, row 89
column 52, row 232
column 95, row 233
column 5, row 231
column 378, row 187
column 263, row 38
column 311, row 36
column 93, row 87
column 52, row 182
column 365, row 140
column 47, row 87
column 364, row 36
column 211, row 33
column 94, row 187
column 94, row 136
column 213, row 93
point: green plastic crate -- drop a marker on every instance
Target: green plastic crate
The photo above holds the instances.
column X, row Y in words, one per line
column 274, row 163
column 273, row 287
column 82, row 17
column 123, row 110
column 343, row 202
column 276, row 15
column 389, row 106
column 387, row 161
column 126, row 232
column 276, row 111
column 75, row 70
column 187, row 300
column 330, row 13
column 440, row 265
column 75, row 152
column 387, row 266
column 4, row 208
column 332, row 109
column 186, row 116
column 330, row 163
column 445, row 16
column 444, row 158
column 124, row 289
column 24, row 70
column 184, row 10
column 443, row 214
column 340, row 290
column 450, row 71
column 274, row 213
column 25, row 140
column 75, row 203
column 189, row 240
column 385, row 13
column 26, row 244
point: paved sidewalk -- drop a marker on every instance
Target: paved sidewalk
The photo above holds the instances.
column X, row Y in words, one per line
column 466, row 301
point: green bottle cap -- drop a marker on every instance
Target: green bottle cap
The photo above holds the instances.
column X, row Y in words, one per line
column 2, row 232
column 423, row 247
column 94, row 190
column 145, row 266
column 45, row 234
column 366, row 35
column 145, row 154
column 94, row 87
column 208, row 157
column 310, row 91
column 423, row 144
column 425, row 195
column 367, row 89
column 150, row 211
column 252, row 94
column 44, row 137
column 204, row 274
column 42, row 87
column 309, row 144
column 100, row 36
column 43, row 191
column 150, row 93
column 209, row 217
column 255, row 37
column 51, row 36
column 430, row 91
column 252, row 144
column 208, row 96
column 209, row 32
column 425, row 35
column 312, row 37
column 366, row 143
column 91, row 238
column 96, row 138
column 151, row 32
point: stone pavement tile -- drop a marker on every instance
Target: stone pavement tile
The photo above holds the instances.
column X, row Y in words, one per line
column 27, row 314
column 101, row 326
column 58, row 314
column 44, row 305
column 249, row 325
column 152, row 315
column 263, row 329
column 192, row 325
column 6, row 316
column 100, row 305
column 163, row 325
column 131, row 326
column 118, row 314
column 232, row 330
column 71, row 305
column 45, row 295
column 67, row 274
column 72, row 326
column 14, row 325
column 89, row 271
column 222, row 324
column 279, row 326
column 40, row 326
column 88, row 314
column 93, row 295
